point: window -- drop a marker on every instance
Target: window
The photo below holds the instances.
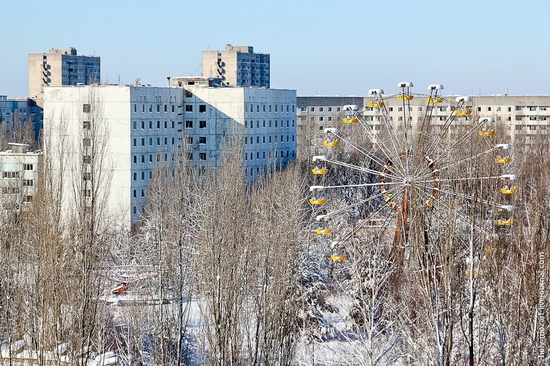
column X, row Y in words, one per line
column 135, row 142
column 135, row 193
column 188, row 124
column 202, row 139
column 158, row 124
column 28, row 166
column 135, row 176
column 86, row 142
column 86, row 108
column 173, row 108
column 532, row 109
column 188, row 94
column 142, row 175
column 202, row 156
column 188, row 108
column 488, row 109
column 498, row 109
column 150, row 124
column 202, row 108
column 166, row 108
column 135, row 159
column 87, row 124
column 519, row 108
column 509, row 109
column 28, row 182
column 150, row 158
column 150, row 141
column 143, row 159
column 158, row 107
column 400, row 109
column 87, row 192
column 202, row 124
column 312, row 109
column 189, row 140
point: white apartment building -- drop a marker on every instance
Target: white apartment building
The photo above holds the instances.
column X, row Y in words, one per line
column 61, row 67
column 118, row 134
column 20, row 174
column 266, row 118
column 113, row 136
column 522, row 117
column 237, row 66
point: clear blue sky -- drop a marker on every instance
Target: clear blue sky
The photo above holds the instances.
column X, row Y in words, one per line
column 317, row 47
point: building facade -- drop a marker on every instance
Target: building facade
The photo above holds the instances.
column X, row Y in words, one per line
column 17, row 112
column 237, row 66
column 265, row 118
column 109, row 139
column 521, row 117
column 61, row 67
column 20, row 174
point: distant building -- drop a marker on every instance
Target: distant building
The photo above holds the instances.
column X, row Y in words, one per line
column 16, row 112
column 521, row 117
column 237, row 66
column 61, row 67
column 19, row 179
column 110, row 138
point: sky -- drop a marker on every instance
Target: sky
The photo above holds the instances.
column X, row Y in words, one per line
column 317, row 47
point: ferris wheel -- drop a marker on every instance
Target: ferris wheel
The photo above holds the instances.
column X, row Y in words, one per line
column 417, row 160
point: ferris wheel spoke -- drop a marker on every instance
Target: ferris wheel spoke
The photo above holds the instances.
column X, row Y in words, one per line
column 361, row 169
column 358, row 148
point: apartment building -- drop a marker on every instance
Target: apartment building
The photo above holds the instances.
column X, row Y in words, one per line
column 16, row 112
column 20, row 174
column 266, row 119
column 521, row 117
column 61, row 67
column 237, row 66
column 110, row 138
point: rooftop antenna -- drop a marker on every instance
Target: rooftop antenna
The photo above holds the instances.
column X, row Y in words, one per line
column 168, row 78
column 118, row 80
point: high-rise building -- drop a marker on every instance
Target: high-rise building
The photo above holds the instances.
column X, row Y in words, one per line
column 61, row 67
column 237, row 66
column 107, row 139
column 15, row 113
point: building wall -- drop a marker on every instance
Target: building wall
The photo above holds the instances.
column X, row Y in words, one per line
column 265, row 118
column 19, row 177
column 237, row 66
